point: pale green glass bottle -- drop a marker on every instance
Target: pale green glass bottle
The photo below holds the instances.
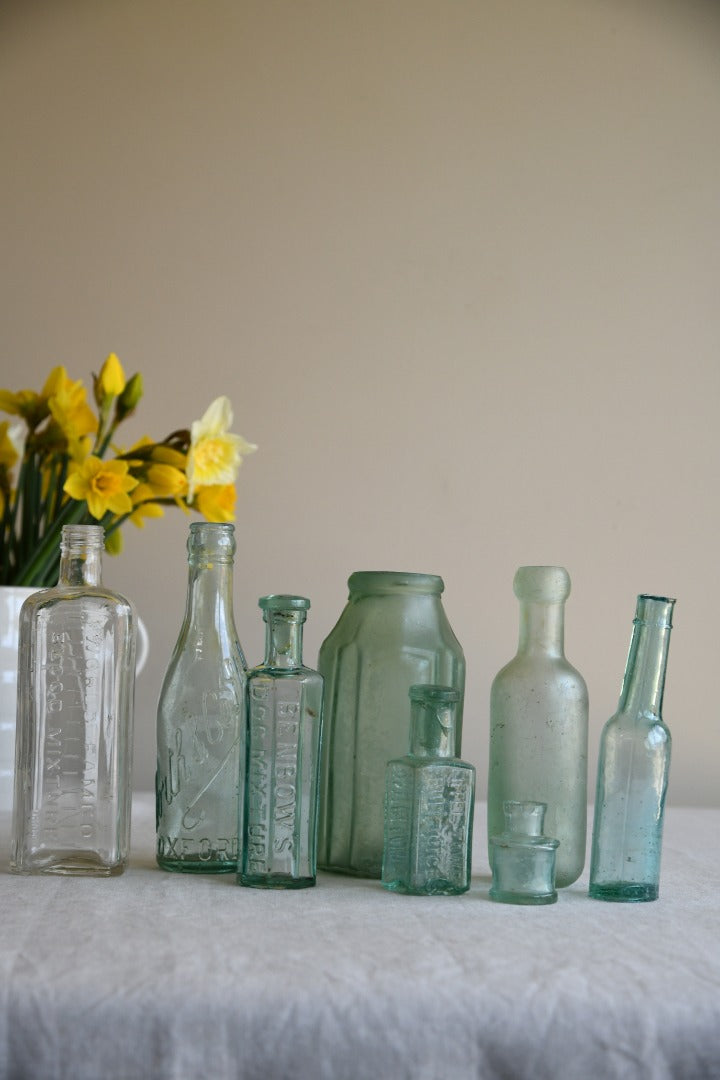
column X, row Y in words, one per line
column 201, row 718
column 522, row 859
column 429, row 802
column 539, row 722
column 284, row 719
column 633, row 767
column 392, row 634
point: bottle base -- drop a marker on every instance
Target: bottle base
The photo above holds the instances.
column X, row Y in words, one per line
column 70, row 866
column 185, row 866
column 525, row 899
column 353, row 871
column 441, row 887
column 275, row 881
column 623, row 892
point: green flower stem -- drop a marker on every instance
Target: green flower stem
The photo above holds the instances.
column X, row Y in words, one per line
column 36, row 570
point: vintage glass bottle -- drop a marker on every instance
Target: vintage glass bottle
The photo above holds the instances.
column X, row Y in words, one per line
column 392, row 634
column 76, row 681
column 539, row 722
column 633, row 767
column 429, row 801
column 201, row 718
column 522, row 859
column 284, row 718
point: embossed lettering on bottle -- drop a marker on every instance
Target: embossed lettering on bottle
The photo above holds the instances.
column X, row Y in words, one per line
column 201, row 730
column 284, row 718
column 75, row 701
column 429, row 799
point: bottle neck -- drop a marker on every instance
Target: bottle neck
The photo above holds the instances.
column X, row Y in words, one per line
column 284, row 639
column 81, row 557
column 644, row 681
column 209, row 599
column 542, row 628
column 432, row 729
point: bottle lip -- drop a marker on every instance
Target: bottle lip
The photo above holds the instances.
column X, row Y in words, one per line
column 219, row 527
column 211, row 541
column 654, row 611
column 283, row 602
column 377, row 582
column 542, row 584
column 89, row 535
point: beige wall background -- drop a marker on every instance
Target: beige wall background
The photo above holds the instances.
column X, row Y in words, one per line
column 455, row 262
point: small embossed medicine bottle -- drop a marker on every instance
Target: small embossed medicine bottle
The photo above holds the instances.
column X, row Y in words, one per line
column 76, row 682
column 284, row 718
column 429, row 801
column 200, row 723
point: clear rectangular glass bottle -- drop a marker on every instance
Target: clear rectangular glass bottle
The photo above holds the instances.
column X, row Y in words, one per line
column 283, row 755
column 76, row 680
column 633, row 767
column 429, row 802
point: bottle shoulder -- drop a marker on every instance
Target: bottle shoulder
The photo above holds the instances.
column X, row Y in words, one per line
column 373, row 621
column 422, row 764
column 628, row 723
column 71, row 594
column 538, row 669
column 300, row 673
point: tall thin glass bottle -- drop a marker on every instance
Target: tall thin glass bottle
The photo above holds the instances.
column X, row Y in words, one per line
column 283, row 755
column 76, row 680
column 429, row 800
column 633, row 767
column 200, row 727
column 539, row 722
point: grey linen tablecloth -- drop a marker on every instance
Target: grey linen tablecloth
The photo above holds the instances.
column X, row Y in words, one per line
column 154, row 975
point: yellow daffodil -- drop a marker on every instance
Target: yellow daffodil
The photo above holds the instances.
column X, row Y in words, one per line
column 32, row 407
column 161, row 482
column 104, row 485
column 61, row 434
column 69, row 407
column 8, row 449
column 215, row 453
column 146, row 510
column 111, row 381
column 216, row 502
column 166, row 455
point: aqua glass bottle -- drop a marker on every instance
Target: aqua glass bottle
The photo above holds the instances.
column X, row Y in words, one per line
column 76, row 681
column 633, row 767
column 429, row 802
column 392, row 634
column 522, row 859
column 539, row 722
column 284, row 711
column 201, row 718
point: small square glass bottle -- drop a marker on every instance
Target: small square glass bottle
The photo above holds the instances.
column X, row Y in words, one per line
column 284, row 713
column 429, row 802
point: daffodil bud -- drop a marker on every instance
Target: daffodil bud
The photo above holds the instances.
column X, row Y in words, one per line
column 129, row 398
column 111, row 381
